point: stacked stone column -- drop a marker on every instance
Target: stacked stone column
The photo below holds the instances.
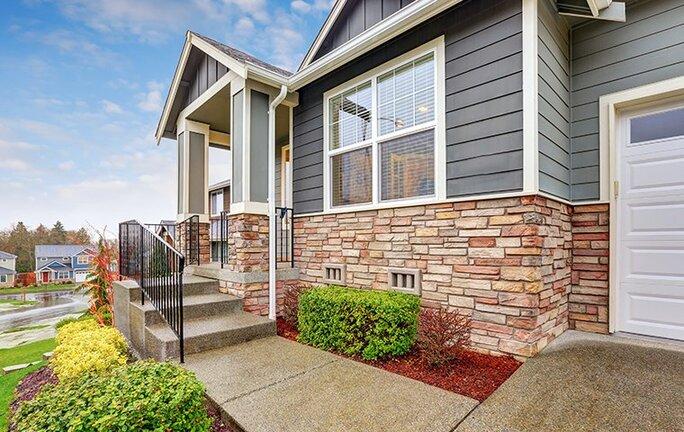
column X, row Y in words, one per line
column 184, row 237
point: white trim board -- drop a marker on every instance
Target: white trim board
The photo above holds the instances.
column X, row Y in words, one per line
column 530, row 91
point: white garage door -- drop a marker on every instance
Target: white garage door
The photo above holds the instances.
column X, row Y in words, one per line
column 80, row 276
column 650, row 230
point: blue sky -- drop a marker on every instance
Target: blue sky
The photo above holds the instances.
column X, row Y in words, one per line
column 83, row 82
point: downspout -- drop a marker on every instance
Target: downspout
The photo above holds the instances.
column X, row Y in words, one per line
column 271, row 203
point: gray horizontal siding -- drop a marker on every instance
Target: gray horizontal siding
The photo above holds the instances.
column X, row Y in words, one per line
column 483, row 101
column 611, row 57
column 554, row 101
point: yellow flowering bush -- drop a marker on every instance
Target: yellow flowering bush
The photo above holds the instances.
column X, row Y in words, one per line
column 84, row 346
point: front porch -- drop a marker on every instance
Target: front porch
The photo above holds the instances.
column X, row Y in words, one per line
column 225, row 99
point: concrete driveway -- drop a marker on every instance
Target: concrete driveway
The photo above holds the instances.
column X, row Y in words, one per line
column 586, row 382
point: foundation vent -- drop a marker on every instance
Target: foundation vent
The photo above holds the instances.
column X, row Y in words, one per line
column 334, row 274
column 406, row 280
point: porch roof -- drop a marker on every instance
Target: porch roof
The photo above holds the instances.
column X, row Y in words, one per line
column 55, row 266
column 236, row 61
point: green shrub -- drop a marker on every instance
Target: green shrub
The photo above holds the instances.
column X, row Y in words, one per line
column 373, row 324
column 66, row 321
column 144, row 396
column 85, row 346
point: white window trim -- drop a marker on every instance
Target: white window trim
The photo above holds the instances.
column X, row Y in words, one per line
column 211, row 197
column 436, row 47
column 83, row 259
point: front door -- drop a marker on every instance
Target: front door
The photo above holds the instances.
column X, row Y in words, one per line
column 650, row 222
column 46, row 277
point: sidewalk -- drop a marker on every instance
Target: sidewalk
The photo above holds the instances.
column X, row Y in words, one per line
column 274, row 384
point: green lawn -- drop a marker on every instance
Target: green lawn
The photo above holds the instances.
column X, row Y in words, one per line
column 39, row 289
column 22, row 354
column 18, row 302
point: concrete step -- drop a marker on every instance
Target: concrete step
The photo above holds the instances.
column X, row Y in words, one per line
column 206, row 305
column 203, row 334
column 197, row 285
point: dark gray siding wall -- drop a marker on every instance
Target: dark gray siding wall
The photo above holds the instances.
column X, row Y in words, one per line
column 483, row 101
column 610, row 57
column 206, row 71
column 357, row 16
column 554, row 101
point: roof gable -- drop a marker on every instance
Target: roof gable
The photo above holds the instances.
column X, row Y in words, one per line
column 202, row 63
column 7, row 255
column 347, row 19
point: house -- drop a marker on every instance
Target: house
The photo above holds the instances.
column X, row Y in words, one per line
column 8, row 267
column 63, row 263
column 520, row 160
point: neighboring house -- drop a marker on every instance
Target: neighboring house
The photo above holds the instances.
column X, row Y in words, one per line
column 63, row 263
column 8, row 267
column 486, row 155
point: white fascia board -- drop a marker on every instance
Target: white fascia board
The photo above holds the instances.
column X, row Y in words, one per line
column 175, row 83
column 394, row 25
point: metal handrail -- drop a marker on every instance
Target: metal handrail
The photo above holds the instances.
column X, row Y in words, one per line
column 158, row 267
column 285, row 235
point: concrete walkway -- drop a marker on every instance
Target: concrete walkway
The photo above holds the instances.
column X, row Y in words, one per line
column 274, row 384
column 586, row 382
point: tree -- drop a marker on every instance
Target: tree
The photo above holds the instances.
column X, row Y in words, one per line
column 100, row 280
column 20, row 244
column 58, row 234
column 79, row 237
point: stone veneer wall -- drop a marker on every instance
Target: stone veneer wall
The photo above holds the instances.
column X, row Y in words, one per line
column 506, row 262
column 182, row 236
column 590, row 249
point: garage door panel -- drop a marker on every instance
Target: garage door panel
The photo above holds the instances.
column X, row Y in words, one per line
column 664, row 173
column 648, row 308
column 661, row 263
column 655, row 218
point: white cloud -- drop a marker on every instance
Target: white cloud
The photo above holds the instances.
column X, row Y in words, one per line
column 152, row 99
column 14, row 164
column 66, row 166
column 257, row 9
column 111, row 107
column 301, row 6
column 146, row 19
column 244, row 26
column 316, row 5
column 12, row 145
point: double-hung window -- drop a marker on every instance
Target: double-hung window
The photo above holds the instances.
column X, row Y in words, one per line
column 381, row 135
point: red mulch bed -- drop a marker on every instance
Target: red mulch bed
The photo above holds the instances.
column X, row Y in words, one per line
column 472, row 374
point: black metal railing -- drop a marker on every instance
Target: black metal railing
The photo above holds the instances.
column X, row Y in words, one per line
column 165, row 230
column 190, row 241
column 218, row 235
column 284, row 236
column 157, row 266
